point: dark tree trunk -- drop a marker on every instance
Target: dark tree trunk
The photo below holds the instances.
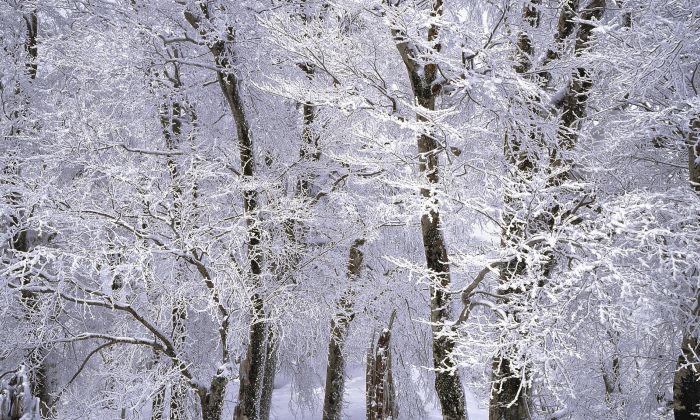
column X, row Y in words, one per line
column 178, row 390
column 335, row 370
column 509, row 393
column 171, row 115
column 15, row 403
column 510, row 390
column 686, row 381
column 268, row 384
column 158, row 405
column 380, row 391
column 36, row 356
column 253, row 366
column 212, row 401
column 425, row 90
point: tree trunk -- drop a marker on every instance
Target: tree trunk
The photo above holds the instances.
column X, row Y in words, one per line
column 335, row 370
column 171, row 115
column 178, row 390
column 447, row 382
column 158, row 405
column 16, row 399
column 252, row 370
column 268, row 384
column 35, row 359
column 686, row 381
column 509, row 393
column 510, row 390
column 253, row 366
column 212, row 401
column 380, row 391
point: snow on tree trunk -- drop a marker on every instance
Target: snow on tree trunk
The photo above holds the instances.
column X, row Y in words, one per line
column 425, row 90
column 510, row 392
column 16, row 399
column 20, row 242
column 686, row 381
column 380, row 391
column 335, row 369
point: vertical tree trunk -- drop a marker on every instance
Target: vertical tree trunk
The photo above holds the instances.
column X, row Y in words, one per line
column 178, row 390
column 171, row 115
column 20, row 241
column 268, row 383
column 158, row 405
column 16, row 399
column 447, row 382
column 340, row 324
column 252, row 368
column 510, row 391
column 686, row 381
column 380, row 391
column 369, row 380
column 212, row 401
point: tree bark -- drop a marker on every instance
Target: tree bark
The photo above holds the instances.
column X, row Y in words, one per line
column 270, row 373
column 340, row 324
column 447, row 382
column 380, row 391
column 212, row 401
column 252, row 368
column 158, row 405
column 510, row 390
column 686, row 381
column 20, row 243
column 171, row 115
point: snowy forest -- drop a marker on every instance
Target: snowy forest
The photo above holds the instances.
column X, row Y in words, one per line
column 349, row 209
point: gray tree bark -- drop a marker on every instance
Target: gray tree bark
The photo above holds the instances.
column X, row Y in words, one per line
column 686, row 380
column 447, row 382
column 340, row 324
column 380, row 391
column 20, row 243
column 510, row 399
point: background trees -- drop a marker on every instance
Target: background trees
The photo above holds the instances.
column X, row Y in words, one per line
column 201, row 200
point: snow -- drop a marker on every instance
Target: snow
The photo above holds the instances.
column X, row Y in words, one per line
column 283, row 408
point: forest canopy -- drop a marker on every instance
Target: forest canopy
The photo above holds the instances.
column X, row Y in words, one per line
column 381, row 209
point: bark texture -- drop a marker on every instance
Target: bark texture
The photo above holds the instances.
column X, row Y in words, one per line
column 423, row 77
column 510, row 399
column 686, row 381
column 16, row 399
column 380, row 391
column 340, row 324
column 20, row 243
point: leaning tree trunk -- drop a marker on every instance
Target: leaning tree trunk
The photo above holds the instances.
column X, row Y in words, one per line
column 335, row 370
column 425, row 90
column 686, row 381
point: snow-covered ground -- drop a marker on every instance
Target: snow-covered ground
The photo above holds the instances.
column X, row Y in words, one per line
column 283, row 409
